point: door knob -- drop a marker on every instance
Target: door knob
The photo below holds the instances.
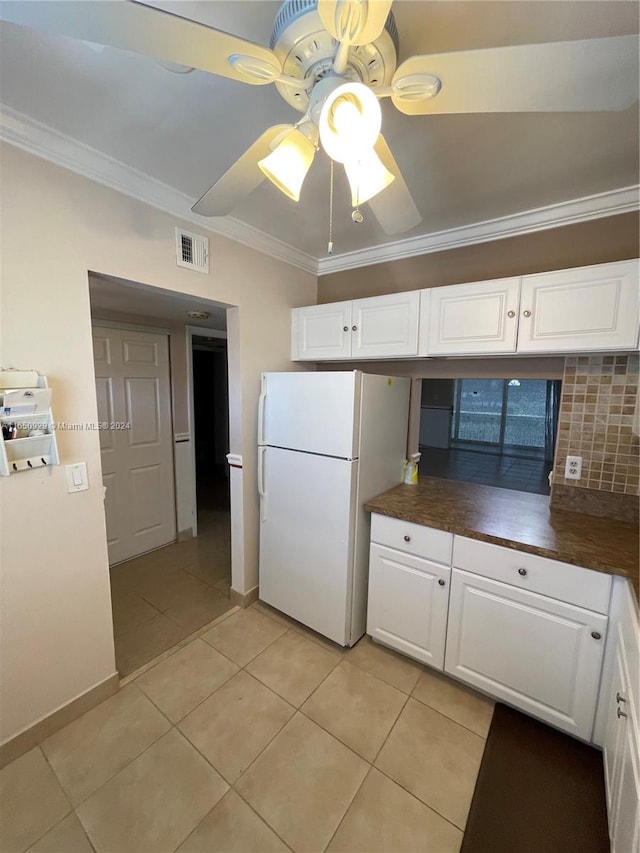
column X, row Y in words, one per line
column 522, row 572
column 511, row 313
column 596, row 635
column 441, row 582
column 407, row 538
column 527, row 313
column 354, row 328
column 345, row 328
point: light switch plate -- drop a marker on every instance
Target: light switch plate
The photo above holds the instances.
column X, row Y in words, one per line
column 77, row 480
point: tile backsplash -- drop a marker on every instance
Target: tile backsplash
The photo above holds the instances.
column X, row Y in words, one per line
column 598, row 421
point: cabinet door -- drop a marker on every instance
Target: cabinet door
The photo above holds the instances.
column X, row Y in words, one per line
column 385, row 326
column 321, row 332
column 408, row 600
column 471, row 319
column 585, row 309
column 536, row 653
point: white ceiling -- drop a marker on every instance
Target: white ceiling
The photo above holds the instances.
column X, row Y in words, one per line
column 185, row 130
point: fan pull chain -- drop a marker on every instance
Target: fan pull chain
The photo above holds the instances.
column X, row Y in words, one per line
column 330, row 244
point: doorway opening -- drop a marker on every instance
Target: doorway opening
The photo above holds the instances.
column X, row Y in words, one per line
column 498, row 432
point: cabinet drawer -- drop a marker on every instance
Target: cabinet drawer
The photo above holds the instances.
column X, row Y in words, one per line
column 412, row 538
column 582, row 587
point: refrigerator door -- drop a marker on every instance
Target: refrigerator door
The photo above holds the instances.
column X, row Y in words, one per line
column 312, row 412
column 306, row 538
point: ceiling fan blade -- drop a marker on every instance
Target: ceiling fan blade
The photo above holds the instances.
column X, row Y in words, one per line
column 241, row 179
column 354, row 21
column 569, row 76
column 394, row 207
column 144, row 29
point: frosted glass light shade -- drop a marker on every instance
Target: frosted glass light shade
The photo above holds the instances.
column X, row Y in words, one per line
column 349, row 121
column 367, row 176
column 288, row 164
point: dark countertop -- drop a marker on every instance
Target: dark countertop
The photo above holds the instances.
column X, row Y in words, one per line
column 517, row 520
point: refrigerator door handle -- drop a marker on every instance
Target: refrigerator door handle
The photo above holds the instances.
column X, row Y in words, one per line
column 261, row 401
column 262, row 491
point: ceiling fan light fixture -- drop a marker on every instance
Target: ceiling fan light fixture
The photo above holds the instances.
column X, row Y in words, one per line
column 349, row 121
column 367, row 177
column 289, row 162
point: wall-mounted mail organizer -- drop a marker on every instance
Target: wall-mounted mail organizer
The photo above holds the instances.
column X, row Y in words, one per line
column 28, row 434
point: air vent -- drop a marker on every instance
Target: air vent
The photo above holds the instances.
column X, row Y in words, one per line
column 192, row 251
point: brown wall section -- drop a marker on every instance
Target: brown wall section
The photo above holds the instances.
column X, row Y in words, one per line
column 612, row 238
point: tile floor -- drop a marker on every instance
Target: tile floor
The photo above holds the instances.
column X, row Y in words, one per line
column 162, row 597
column 471, row 466
column 257, row 735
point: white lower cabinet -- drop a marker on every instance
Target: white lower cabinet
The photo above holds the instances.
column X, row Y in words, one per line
column 619, row 700
column 536, row 653
column 408, row 604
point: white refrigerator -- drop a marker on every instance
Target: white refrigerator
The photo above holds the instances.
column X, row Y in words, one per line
column 327, row 443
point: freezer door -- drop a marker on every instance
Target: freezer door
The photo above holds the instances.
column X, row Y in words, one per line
column 306, row 538
column 313, row 412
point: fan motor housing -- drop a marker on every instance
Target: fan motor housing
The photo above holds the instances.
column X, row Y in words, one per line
column 306, row 51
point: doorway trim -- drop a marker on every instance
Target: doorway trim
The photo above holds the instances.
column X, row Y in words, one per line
column 198, row 331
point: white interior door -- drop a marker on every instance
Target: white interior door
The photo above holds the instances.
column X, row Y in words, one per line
column 134, row 409
column 306, row 538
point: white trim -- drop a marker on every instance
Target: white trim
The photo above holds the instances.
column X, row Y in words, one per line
column 37, row 138
column 623, row 200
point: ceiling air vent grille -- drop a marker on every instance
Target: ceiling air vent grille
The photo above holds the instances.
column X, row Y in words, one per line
column 192, row 251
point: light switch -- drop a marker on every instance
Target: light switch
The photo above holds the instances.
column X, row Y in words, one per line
column 77, row 480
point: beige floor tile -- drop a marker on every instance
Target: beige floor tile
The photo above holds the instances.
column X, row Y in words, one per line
column 393, row 668
column 169, row 591
column 293, row 667
column 155, row 802
column 434, row 758
column 356, row 707
column 67, row 837
column 384, row 818
column 244, row 635
column 92, row 748
column 31, row 801
column 130, row 609
column 234, row 724
column 194, row 612
column 303, row 783
column 233, row 827
column 141, row 644
column 183, row 680
column 455, row 701
column 294, row 625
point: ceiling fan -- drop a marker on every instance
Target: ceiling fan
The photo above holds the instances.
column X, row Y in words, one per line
column 332, row 60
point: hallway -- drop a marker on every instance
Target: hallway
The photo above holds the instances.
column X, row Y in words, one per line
column 164, row 596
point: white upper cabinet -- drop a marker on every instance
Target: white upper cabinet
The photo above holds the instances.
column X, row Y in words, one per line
column 321, row 332
column 471, row 318
column 378, row 327
column 385, row 326
column 589, row 308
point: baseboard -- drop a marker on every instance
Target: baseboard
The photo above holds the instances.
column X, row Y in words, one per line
column 35, row 734
column 244, row 599
column 185, row 535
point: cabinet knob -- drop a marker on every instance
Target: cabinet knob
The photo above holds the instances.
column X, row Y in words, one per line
column 620, row 698
column 522, row 572
column 526, row 313
column 511, row 313
column 620, row 713
column 345, row 328
column 354, row 328
column 407, row 538
column 441, row 582
column 596, row 635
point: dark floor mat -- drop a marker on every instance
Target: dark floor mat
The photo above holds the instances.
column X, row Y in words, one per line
column 538, row 791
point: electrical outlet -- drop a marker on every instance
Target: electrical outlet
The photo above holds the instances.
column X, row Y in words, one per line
column 573, row 468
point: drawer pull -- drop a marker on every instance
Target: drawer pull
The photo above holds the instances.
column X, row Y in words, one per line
column 354, row 328
column 596, row 635
column 620, row 698
column 345, row 328
column 407, row 538
column 522, row 572
column 441, row 582
column 527, row 313
column 620, row 713
column 511, row 313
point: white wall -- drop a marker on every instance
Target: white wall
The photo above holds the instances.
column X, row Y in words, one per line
column 56, row 636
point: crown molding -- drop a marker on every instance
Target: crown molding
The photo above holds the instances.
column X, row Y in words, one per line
column 43, row 141
column 624, row 200
column 36, row 138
